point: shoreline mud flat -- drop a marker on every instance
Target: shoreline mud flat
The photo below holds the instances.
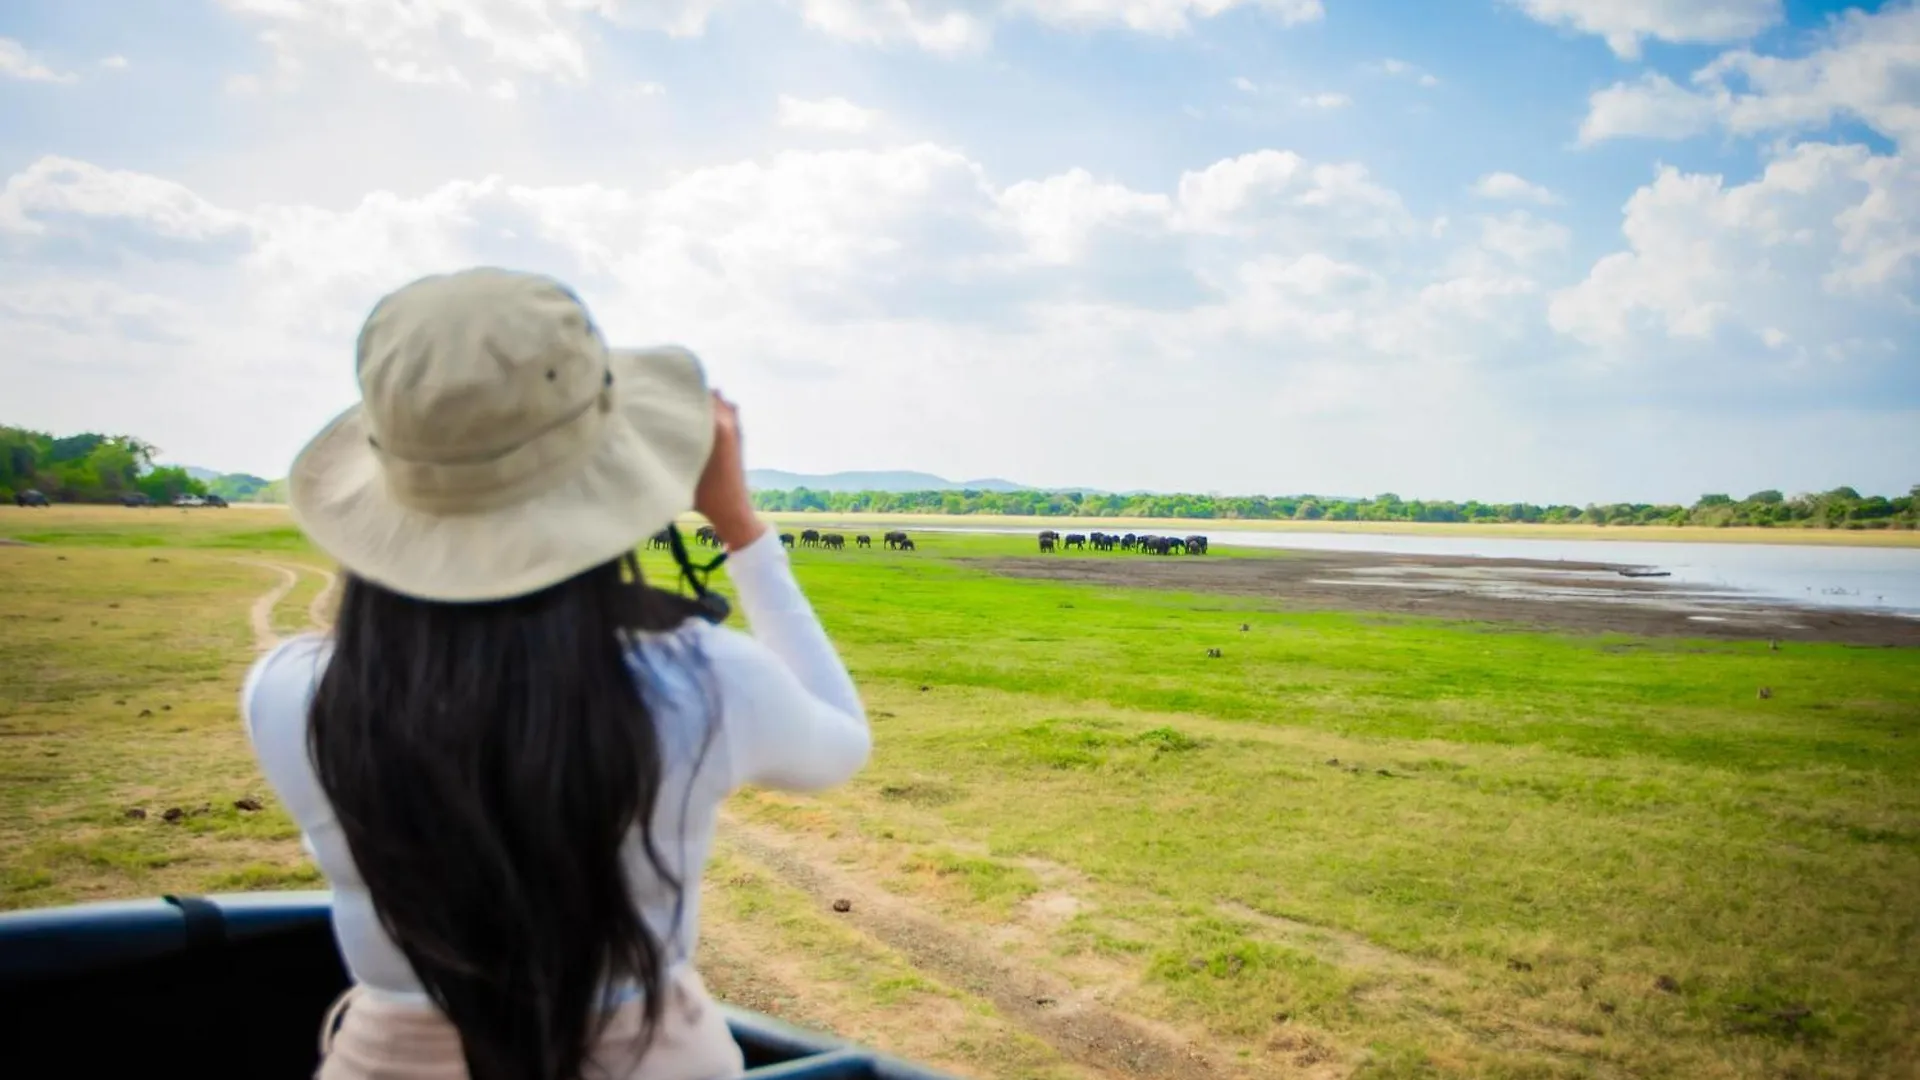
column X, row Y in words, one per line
column 1578, row 597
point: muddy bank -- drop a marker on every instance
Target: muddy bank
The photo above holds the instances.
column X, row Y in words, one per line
column 1581, row 597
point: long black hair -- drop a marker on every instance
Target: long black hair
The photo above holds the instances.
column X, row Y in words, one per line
column 487, row 762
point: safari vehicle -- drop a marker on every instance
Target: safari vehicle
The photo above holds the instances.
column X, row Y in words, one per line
column 135, row 499
column 214, row 500
column 30, row 497
column 237, row 985
column 189, row 500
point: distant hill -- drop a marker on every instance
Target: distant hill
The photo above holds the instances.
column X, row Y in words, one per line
column 237, row 487
column 233, row 487
column 780, row 480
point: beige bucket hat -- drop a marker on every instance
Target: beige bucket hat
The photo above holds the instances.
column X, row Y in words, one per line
column 499, row 446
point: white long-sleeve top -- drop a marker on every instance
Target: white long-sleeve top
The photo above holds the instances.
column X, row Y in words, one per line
column 787, row 717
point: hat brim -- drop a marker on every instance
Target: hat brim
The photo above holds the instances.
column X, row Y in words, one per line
column 640, row 477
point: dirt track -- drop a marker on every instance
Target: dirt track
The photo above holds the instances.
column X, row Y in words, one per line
column 1585, row 598
column 1083, row 1030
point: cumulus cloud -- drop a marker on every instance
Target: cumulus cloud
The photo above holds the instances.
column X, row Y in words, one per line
column 1802, row 276
column 1507, row 187
column 475, row 43
column 1865, row 70
column 1261, row 271
column 1626, row 23
column 828, row 114
column 114, row 63
column 455, row 42
column 19, row 62
column 1654, row 106
column 1820, row 248
column 1326, row 100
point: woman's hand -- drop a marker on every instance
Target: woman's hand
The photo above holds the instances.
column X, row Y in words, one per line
column 722, row 496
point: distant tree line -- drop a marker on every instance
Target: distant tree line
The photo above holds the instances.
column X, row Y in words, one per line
column 91, row 467
column 88, row 467
column 1841, row 508
column 95, row 468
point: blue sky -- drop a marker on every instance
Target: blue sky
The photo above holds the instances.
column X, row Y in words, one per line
column 1545, row 249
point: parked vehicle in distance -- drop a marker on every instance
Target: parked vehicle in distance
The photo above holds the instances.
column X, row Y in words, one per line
column 30, row 497
column 189, row 500
column 215, row 500
column 135, row 499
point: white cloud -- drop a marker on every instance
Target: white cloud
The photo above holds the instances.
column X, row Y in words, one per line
column 18, row 62
column 471, row 43
column 55, row 192
column 1866, row 69
column 835, row 114
column 943, row 27
column 1159, row 16
column 1654, row 106
column 114, row 63
column 1401, row 69
column 1523, row 238
column 1801, row 280
column 1625, row 23
column 879, row 22
column 1057, row 216
column 1820, row 248
column 801, row 268
column 453, row 42
column 1326, row 100
column 1507, row 187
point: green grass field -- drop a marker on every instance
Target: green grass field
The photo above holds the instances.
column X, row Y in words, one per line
column 1350, row 846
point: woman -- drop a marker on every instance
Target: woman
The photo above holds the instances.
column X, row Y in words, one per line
column 508, row 755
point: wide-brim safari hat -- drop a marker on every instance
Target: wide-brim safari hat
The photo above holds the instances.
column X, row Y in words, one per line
column 499, row 445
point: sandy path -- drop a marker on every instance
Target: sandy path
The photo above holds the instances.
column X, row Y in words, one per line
column 320, row 612
column 260, row 617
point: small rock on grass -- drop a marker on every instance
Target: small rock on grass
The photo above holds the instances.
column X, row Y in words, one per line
column 1667, row 984
column 843, row 906
column 136, row 813
column 248, row 804
column 174, row 815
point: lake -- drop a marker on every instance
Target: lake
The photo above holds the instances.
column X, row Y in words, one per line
column 1884, row 580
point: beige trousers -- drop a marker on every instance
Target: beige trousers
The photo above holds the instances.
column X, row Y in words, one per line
column 368, row 1038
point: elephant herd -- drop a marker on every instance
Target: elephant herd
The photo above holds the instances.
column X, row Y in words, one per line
column 705, row 537
column 895, row 541
column 1051, row 541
